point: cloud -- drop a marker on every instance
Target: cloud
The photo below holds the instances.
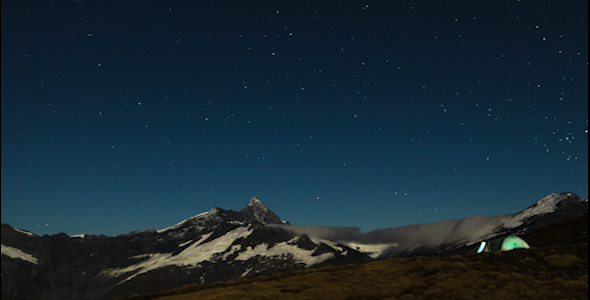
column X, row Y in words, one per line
column 407, row 238
column 325, row 232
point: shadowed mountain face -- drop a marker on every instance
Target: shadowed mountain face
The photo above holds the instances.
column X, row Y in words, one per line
column 257, row 212
column 217, row 245
column 572, row 231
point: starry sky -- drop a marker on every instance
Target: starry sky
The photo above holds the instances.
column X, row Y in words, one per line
column 128, row 115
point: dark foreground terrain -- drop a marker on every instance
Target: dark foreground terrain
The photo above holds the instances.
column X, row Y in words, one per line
column 555, row 267
column 553, row 272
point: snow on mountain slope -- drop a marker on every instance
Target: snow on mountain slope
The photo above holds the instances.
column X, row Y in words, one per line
column 18, row 254
column 227, row 239
column 24, row 231
column 202, row 215
column 372, row 250
column 543, row 206
column 282, row 250
column 189, row 257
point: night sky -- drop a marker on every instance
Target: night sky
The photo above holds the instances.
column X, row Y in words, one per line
column 128, row 115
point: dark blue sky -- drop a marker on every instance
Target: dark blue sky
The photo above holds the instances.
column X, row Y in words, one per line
column 129, row 115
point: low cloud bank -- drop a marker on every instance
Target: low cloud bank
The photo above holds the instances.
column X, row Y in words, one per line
column 409, row 237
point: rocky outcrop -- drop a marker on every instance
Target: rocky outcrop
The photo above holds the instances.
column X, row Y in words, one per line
column 256, row 211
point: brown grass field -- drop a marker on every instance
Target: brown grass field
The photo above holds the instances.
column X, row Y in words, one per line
column 552, row 272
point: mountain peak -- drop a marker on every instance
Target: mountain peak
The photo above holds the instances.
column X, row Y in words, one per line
column 560, row 203
column 255, row 202
column 257, row 211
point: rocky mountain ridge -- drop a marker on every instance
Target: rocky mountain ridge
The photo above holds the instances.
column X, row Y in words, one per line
column 217, row 245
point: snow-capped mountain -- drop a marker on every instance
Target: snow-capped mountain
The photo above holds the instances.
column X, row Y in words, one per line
column 217, row 245
column 553, row 208
column 221, row 245
column 256, row 211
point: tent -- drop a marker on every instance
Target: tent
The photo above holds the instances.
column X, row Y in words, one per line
column 508, row 243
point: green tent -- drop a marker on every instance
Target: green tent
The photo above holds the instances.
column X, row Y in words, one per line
column 503, row 244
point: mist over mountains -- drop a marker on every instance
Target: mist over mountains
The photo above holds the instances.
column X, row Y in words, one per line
column 221, row 245
column 407, row 238
column 430, row 238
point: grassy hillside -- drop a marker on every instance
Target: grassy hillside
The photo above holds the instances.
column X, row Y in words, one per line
column 552, row 272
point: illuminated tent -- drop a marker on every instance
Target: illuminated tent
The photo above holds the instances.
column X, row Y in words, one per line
column 503, row 244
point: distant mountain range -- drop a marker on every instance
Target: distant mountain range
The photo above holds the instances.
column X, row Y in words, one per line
column 218, row 245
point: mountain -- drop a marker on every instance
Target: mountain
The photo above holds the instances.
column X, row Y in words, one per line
column 556, row 207
column 218, row 245
column 555, row 267
column 256, row 211
column 222, row 245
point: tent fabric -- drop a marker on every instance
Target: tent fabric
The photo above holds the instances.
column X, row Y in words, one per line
column 503, row 244
column 513, row 242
